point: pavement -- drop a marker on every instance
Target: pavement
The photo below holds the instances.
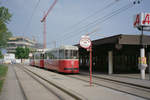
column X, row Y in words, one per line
column 133, row 79
column 11, row 89
column 83, row 89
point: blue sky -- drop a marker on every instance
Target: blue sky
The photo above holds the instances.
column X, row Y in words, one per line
column 63, row 22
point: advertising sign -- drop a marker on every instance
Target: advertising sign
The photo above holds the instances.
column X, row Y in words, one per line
column 142, row 20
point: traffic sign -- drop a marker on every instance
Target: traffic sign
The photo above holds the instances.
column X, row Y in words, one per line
column 85, row 42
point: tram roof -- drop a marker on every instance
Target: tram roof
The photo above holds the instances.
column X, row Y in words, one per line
column 69, row 47
column 64, row 47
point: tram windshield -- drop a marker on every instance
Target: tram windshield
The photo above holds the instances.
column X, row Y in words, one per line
column 68, row 54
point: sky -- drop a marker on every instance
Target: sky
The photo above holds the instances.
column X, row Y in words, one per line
column 70, row 19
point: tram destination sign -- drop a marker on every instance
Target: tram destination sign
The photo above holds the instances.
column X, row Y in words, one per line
column 142, row 20
column 85, row 42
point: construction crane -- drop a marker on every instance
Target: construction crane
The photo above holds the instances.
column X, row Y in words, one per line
column 44, row 23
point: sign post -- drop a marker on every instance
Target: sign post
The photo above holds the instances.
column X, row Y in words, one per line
column 85, row 42
column 142, row 22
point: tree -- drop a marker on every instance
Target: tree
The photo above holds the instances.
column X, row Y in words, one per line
column 22, row 53
column 4, row 32
column 4, row 15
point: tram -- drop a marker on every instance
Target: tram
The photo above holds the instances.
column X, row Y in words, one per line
column 63, row 59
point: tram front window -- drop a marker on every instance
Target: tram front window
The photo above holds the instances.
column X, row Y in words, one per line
column 74, row 54
column 71, row 54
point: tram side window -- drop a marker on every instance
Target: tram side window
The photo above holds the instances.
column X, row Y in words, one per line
column 49, row 55
column 41, row 56
column 66, row 54
column 56, row 54
column 61, row 54
column 36, row 56
column 45, row 56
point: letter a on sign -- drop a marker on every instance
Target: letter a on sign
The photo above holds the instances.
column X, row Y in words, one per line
column 137, row 21
column 147, row 19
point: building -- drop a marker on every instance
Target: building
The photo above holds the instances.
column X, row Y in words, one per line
column 116, row 54
column 15, row 42
column 9, row 58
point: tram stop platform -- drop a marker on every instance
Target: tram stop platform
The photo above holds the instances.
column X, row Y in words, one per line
column 101, row 91
column 131, row 79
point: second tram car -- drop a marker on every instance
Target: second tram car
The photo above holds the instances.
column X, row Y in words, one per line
column 38, row 59
column 63, row 59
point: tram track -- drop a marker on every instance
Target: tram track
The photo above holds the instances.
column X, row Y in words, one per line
column 57, row 90
column 111, row 84
column 21, row 88
column 46, row 87
column 116, row 85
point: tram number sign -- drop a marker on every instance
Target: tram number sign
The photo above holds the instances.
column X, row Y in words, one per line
column 85, row 42
column 142, row 20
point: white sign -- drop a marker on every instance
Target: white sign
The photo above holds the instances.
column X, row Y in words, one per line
column 142, row 20
column 85, row 42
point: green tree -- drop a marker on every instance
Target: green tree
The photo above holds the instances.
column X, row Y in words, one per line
column 4, row 15
column 4, row 32
column 22, row 53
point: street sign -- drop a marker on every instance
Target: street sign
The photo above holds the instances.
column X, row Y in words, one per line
column 85, row 42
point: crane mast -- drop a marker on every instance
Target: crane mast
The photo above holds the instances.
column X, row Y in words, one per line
column 44, row 23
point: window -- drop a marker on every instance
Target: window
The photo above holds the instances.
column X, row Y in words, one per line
column 41, row 56
column 61, row 54
column 71, row 54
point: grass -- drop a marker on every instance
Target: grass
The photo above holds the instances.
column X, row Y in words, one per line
column 3, row 71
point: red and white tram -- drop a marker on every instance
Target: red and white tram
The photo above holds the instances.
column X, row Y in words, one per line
column 63, row 59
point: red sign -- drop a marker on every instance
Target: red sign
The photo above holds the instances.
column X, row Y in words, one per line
column 142, row 20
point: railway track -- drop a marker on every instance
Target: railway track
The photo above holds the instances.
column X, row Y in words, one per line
column 111, row 84
column 52, row 90
column 132, row 89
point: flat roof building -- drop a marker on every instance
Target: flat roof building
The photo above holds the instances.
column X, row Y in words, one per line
column 116, row 54
column 15, row 42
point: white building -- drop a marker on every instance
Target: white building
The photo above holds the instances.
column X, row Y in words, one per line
column 15, row 42
column 9, row 58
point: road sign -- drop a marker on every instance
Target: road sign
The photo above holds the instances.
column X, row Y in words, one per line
column 85, row 42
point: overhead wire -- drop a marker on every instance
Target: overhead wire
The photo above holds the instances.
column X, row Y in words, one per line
column 93, row 14
column 31, row 17
column 119, row 11
column 100, row 20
